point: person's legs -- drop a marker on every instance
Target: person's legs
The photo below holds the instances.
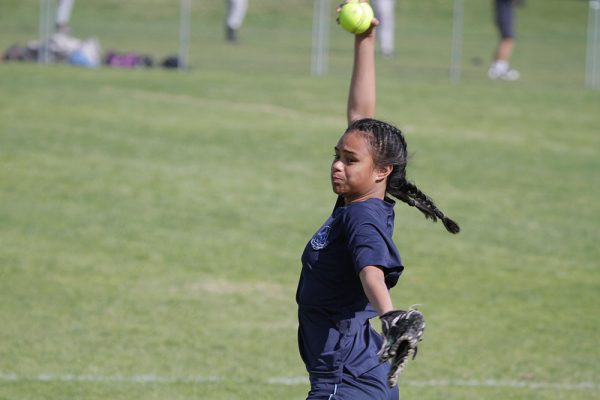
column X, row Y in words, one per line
column 385, row 12
column 505, row 49
column 322, row 391
column 63, row 15
column 236, row 11
column 500, row 68
column 370, row 386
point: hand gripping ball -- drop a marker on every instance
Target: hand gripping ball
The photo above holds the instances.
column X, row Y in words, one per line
column 356, row 16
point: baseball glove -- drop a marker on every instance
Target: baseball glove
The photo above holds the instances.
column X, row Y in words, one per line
column 402, row 331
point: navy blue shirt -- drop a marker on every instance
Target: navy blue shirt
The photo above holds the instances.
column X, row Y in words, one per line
column 334, row 333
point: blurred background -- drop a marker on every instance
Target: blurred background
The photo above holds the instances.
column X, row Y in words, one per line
column 152, row 219
column 551, row 36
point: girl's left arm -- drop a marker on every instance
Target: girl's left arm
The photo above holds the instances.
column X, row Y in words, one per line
column 373, row 283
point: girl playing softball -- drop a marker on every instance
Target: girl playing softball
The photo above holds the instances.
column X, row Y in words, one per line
column 351, row 262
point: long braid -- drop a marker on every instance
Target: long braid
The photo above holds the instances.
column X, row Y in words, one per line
column 413, row 196
column 389, row 148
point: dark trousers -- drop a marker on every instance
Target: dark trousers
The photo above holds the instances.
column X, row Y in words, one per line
column 369, row 386
column 505, row 16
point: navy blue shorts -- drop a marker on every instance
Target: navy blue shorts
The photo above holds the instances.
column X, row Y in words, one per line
column 369, row 386
column 505, row 16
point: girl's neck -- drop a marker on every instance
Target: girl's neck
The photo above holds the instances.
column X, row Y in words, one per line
column 376, row 194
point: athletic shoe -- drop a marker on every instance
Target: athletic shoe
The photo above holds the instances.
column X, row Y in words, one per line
column 231, row 35
column 506, row 75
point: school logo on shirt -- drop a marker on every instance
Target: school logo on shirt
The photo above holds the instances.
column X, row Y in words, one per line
column 319, row 241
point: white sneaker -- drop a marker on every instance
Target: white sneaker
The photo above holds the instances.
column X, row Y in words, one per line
column 511, row 75
column 506, row 75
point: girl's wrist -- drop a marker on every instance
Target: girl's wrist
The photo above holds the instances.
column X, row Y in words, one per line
column 368, row 35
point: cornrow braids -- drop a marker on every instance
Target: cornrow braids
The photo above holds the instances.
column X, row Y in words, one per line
column 389, row 147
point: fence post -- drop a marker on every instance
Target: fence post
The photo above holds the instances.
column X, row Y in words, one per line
column 320, row 37
column 184, row 35
column 457, row 38
column 45, row 30
column 591, row 66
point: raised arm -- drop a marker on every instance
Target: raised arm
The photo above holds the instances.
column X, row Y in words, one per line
column 361, row 97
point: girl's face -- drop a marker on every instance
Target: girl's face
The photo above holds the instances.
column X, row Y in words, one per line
column 354, row 175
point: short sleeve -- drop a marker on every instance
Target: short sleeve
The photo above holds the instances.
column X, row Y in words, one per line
column 370, row 243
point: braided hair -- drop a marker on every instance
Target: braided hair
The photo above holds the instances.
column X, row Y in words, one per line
column 388, row 147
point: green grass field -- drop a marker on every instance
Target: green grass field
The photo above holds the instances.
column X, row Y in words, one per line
column 151, row 222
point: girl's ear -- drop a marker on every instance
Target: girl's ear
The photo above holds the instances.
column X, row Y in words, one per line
column 383, row 172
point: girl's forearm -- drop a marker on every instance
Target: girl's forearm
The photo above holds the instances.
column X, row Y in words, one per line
column 361, row 97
